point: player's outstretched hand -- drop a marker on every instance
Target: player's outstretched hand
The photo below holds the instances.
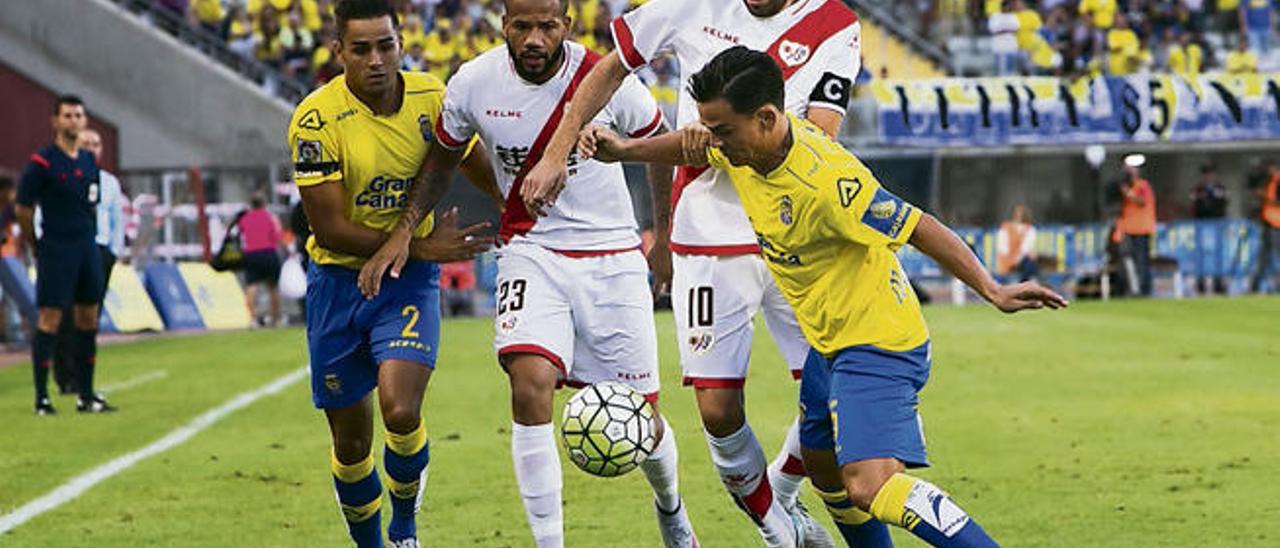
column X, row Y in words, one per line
column 542, row 185
column 695, row 139
column 392, row 255
column 599, row 143
column 448, row 243
column 1027, row 296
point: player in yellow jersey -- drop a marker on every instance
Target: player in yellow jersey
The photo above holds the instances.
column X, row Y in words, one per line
column 829, row 231
column 358, row 145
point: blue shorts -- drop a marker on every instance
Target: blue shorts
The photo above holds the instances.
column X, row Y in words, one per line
column 68, row 270
column 349, row 336
column 863, row 404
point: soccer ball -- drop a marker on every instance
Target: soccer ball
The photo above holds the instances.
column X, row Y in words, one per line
column 608, row 429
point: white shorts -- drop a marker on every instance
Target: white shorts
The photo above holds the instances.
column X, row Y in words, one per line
column 715, row 300
column 592, row 317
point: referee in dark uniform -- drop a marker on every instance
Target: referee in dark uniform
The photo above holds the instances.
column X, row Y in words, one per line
column 63, row 181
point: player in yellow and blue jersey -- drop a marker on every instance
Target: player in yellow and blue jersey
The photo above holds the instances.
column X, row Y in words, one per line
column 358, row 145
column 828, row 231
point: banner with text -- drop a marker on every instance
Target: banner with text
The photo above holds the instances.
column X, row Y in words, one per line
column 1052, row 111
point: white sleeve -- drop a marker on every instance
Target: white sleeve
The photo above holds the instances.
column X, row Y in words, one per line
column 839, row 59
column 454, row 129
column 1029, row 242
column 633, row 110
column 641, row 33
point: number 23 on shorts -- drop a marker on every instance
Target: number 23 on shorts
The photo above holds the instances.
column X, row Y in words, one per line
column 511, row 295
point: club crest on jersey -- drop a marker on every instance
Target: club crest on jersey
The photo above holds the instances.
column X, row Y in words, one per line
column 792, row 53
column 424, row 125
column 701, row 341
column 309, row 152
column 883, row 209
column 786, row 207
column 508, row 324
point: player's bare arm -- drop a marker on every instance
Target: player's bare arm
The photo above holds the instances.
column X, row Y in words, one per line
column 545, row 181
column 605, row 145
column 479, row 172
column 828, row 120
column 447, row 242
column 26, row 221
column 659, row 176
column 937, row 241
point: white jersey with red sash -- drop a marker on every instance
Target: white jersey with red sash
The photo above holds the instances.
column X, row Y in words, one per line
column 815, row 42
column 516, row 119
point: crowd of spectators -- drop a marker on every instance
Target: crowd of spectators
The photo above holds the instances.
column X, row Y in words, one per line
column 1117, row 37
column 439, row 35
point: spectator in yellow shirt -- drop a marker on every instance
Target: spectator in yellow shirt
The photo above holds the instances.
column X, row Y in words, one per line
column 211, row 16
column 1101, row 13
column 1100, row 16
column 1184, row 58
column 310, row 12
column 411, row 32
column 585, row 11
column 484, row 37
column 1241, row 60
column 1124, row 50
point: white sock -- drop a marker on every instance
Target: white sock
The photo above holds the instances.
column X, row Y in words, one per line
column 740, row 461
column 662, row 471
column 786, row 473
column 533, row 451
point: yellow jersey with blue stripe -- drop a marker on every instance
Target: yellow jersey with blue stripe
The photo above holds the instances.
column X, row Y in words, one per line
column 336, row 138
column 828, row 232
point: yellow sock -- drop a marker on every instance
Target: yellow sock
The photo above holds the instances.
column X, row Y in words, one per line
column 359, row 490
column 841, row 508
column 889, row 505
column 408, row 444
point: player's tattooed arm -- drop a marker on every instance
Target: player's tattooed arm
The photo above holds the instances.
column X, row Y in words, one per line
column 681, row 148
column 934, row 239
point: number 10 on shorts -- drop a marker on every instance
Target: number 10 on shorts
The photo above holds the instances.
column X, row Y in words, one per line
column 701, row 306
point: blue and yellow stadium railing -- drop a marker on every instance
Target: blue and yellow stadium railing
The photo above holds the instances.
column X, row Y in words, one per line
column 1225, row 248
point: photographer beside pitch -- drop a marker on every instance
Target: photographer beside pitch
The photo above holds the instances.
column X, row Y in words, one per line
column 828, row 231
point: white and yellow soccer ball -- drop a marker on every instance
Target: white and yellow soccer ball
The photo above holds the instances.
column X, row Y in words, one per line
column 608, row 429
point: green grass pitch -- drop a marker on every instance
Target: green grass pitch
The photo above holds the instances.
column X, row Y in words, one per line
column 1121, row 424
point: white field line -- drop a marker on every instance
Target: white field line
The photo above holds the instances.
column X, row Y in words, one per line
column 79, row 484
column 136, row 381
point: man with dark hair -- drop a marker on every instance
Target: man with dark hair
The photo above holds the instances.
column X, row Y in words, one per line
column 358, row 144
column 828, row 231
column 705, row 248
column 1209, row 203
column 64, row 181
column 574, row 305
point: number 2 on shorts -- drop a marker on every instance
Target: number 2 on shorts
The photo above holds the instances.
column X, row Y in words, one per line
column 412, row 312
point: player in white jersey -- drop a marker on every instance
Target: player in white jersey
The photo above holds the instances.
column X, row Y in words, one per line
column 720, row 282
column 574, row 305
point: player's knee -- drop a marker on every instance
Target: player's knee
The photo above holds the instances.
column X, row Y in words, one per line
column 85, row 317
column 820, row 466
column 863, row 479
column 49, row 319
column 350, row 451
column 400, row 418
column 722, row 420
